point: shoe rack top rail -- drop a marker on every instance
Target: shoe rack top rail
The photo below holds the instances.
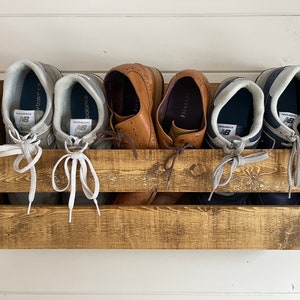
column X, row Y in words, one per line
column 120, row 171
column 153, row 227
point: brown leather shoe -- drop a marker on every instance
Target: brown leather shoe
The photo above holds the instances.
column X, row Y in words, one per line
column 181, row 118
column 181, row 115
column 133, row 93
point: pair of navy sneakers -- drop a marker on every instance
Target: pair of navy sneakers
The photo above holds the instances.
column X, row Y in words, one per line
column 264, row 114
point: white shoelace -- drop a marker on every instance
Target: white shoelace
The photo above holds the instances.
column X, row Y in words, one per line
column 235, row 159
column 76, row 157
column 295, row 153
column 25, row 147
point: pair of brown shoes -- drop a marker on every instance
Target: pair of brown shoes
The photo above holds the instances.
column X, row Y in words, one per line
column 142, row 118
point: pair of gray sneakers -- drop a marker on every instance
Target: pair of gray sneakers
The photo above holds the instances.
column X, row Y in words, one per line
column 42, row 109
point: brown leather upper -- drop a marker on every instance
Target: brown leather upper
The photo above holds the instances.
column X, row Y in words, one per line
column 139, row 126
column 177, row 136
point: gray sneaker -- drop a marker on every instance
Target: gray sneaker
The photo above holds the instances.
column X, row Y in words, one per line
column 27, row 110
column 80, row 116
column 234, row 123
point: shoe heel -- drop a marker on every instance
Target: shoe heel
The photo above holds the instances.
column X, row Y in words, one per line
column 158, row 90
column 263, row 77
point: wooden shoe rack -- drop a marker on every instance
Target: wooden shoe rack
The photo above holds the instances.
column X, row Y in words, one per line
column 153, row 227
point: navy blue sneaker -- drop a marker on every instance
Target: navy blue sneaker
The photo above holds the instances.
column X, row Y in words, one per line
column 235, row 122
column 281, row 87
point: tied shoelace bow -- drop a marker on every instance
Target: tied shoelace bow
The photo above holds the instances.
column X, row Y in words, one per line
column 235, row 159
column 118, row 137
column 295, row 153
column 172, row 158
column 25, row 147
column 77, row 156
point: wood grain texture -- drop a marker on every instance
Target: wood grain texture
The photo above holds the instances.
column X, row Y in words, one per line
column 161, row 227
column 153, row 227
column 120, row 171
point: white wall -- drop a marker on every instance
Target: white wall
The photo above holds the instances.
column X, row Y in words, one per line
column 149, row 274
column 220, row 38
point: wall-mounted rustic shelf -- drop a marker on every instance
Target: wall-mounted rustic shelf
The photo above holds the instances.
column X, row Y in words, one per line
column 153, row 227
column 139, row 227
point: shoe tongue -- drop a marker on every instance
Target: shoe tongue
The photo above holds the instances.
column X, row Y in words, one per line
column 175, row 131
column 26, row 119
column 120, row 119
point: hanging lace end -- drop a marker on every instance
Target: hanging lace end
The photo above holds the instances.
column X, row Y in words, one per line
column 31, row 194
column 70, row 215
column 29, row 207
column 26, row 148
column 295, row 153
column 172, row 158
column 290, row 192
column 211, row 194
column 169, row 180
column 151, row 199
column 97, row 206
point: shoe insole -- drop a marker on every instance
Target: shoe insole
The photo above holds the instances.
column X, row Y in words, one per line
column 288, row 100
column 131, row 103
column 83, row 106
column 184, row 106
column 33, row 95
column 122, row 96
column 238, row 111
